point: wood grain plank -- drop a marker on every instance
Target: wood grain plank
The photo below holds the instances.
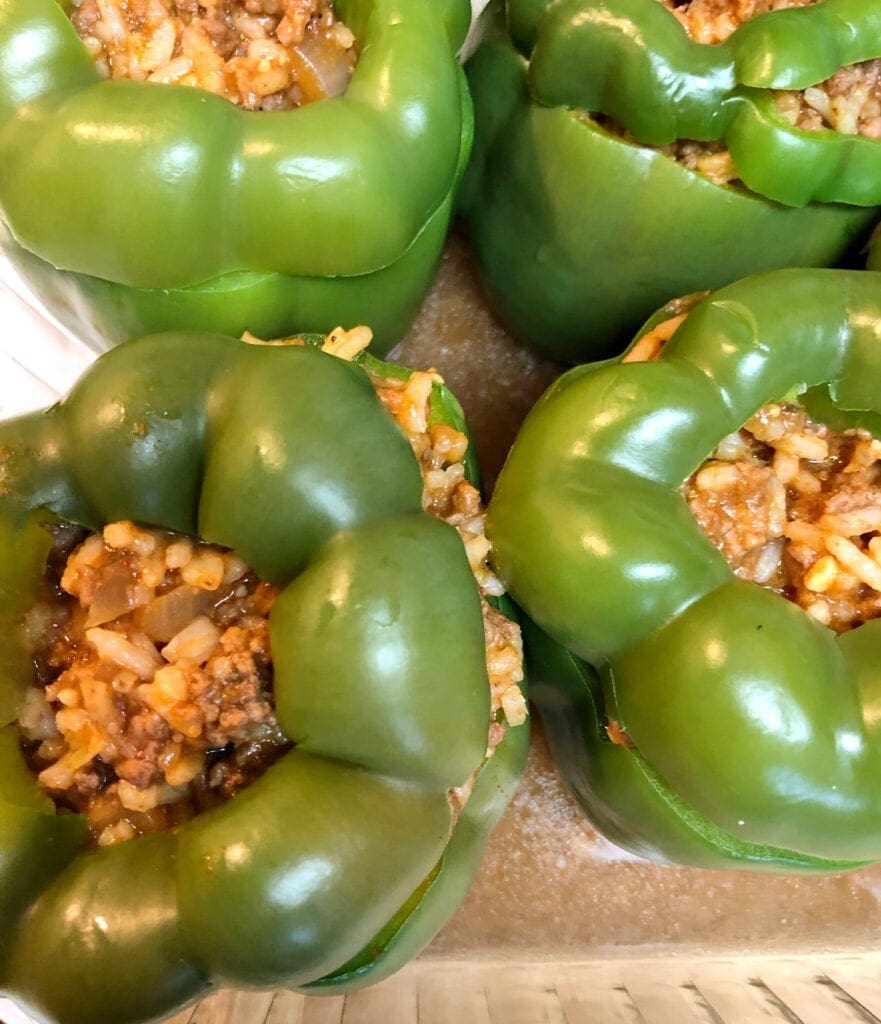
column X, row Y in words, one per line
column 392, row 1000
column 834, row 990
column 660, row 995
column 234, row 1007
column 286, row 1008
column 523, row 994
column 321, row 1010
column 859, row 979
column 589, row 995
column 728, row 990
column 452, row 993
column 184, row 1017
column 798, row 987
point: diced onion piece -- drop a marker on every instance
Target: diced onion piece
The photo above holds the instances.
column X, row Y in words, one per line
column 321, row 68
column 168, row 614
column 116, row 596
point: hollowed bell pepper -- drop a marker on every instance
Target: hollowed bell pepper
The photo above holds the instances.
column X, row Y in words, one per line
column 753, row 732
column 169, row 206
column 580, row 234
column 344, row 858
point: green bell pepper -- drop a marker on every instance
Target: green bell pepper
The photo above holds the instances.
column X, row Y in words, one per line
column 580, row 234
column 754, row 732
column 167, row 206
column 344, row 858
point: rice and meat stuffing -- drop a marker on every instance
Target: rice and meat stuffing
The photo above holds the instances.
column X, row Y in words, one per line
column 848, row 102
column 796, row 506
column 259, row 54
column 446, row 494
column 153, row 655
column 153, row 673
column 713, row 21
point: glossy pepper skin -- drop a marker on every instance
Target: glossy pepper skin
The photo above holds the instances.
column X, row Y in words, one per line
column 579, row 235
column 754, row 729
column 167, row 206
column 343, row 859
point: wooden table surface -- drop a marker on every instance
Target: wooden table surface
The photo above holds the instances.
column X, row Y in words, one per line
column 834, row 990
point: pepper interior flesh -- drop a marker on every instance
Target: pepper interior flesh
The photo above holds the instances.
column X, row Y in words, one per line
column 259, row 54
column 153, row 674
column 848, row 102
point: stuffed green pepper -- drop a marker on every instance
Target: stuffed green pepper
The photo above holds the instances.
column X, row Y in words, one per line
column 629, row 150
column 261, row 165
column 695, row 531
column 260, row 708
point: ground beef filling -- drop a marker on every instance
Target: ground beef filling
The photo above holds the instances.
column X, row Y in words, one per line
column 153, row 675
column 848, row 102
column 796, row 507
column 792, row 504
column 259, row 54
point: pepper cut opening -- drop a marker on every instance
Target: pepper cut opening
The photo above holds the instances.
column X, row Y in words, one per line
column 156, row 696
column 713, row 21
column 259, row 54
column 796, row 507
column 793, row 504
